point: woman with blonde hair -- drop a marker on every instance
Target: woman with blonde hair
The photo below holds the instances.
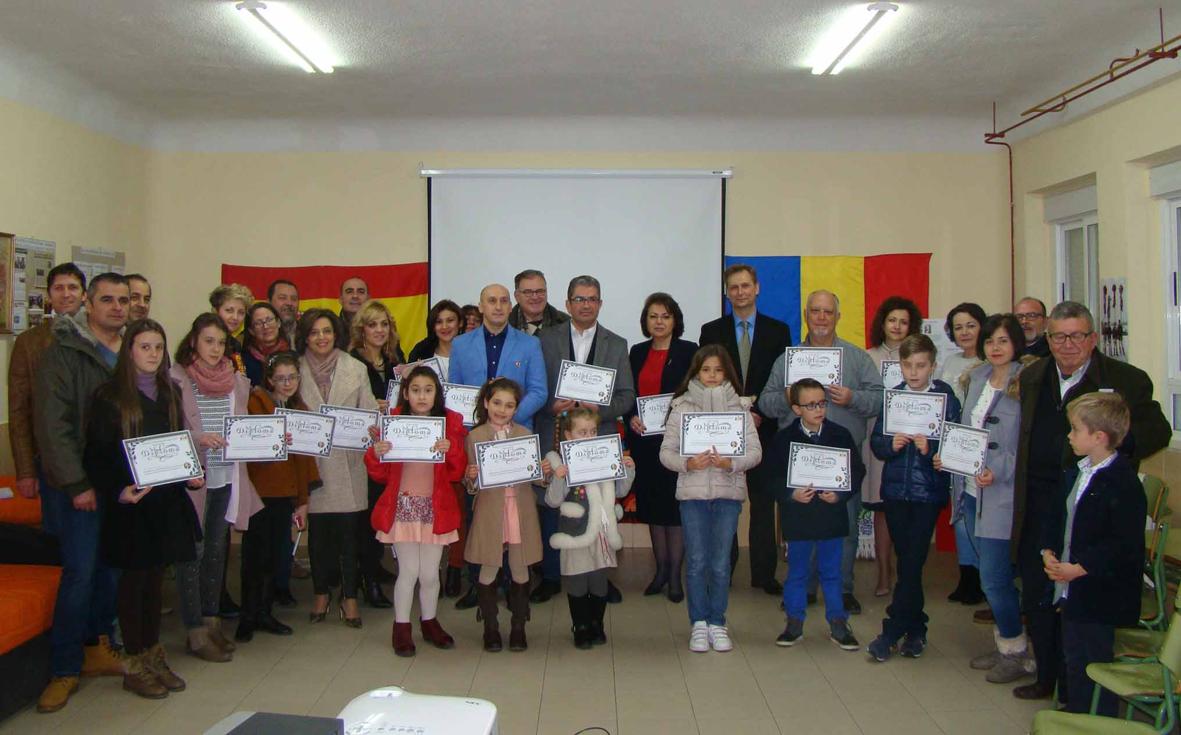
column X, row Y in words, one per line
column 230, row 302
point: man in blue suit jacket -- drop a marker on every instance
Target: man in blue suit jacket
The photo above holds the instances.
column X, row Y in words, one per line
column 497, row 350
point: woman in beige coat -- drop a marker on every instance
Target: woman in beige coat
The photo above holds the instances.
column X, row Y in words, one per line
column 501, row 517
column 328, row 376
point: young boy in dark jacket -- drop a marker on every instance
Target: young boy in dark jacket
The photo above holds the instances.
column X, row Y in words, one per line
column 813, row 522
column 913, row 493
column 1094, row 552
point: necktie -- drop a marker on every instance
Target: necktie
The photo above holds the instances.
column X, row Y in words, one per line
column 1071, row 504
column 744, row 348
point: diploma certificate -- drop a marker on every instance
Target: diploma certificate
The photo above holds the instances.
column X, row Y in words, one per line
column 462, row 400
column 724, row 433
column 434, row 364
column 593, row 460
column 509, row 462
column 653, row 412
column 586, row 383
column 413, row 438
column 311, row 433
column 351, row 430
column 963, row 448
column 258, row 438
column 824, row 468
column 822, row 364
column 891, row 373
column 391, row 392
column 911, row 412
column 162, row 458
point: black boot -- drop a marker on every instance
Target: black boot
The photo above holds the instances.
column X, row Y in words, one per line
column 469, row 600
column 518, row 605
column 486, row 594
column 957, row 595
column 452, row 582
column 263, row 619
column 374, row 596
column 972, row 594
column 597, row 607
column 580, row 619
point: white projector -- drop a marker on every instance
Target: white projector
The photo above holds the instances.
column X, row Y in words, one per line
column 395, row 711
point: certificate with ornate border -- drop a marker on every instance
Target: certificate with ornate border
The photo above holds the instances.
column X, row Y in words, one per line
column 653, row 412
column 824, row 468
column 161, row 459
column 962, row 449
column 257, row 438
column 891, row 373
column 311, row 433
column 598, row 459
column 351, row 430
column 822, row 364
column 724, row 432
column 462, row 400
column 391, row 392
column 434, row 364
column 913, row 413
column 508, row 462
column 586, row 383
column 413, row 438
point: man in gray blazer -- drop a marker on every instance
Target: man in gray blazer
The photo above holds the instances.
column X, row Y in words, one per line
column 583, row 340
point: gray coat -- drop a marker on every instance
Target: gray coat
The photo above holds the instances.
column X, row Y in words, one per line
column 994, row 504
column 611, row 352
column 857, row 372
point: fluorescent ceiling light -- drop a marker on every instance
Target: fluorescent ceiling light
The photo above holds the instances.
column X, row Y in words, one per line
column 288, row 34
column 851, row 36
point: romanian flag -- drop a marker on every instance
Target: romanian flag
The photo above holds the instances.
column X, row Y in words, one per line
column 402, row 288
column 861, row 283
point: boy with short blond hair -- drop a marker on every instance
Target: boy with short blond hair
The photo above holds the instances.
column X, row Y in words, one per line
column 1094, row 552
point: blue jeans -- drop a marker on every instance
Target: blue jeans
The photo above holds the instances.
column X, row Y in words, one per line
column 708, row 527
column 85, row 607
column 996, row 572
column 829, row 553
column 966, row 550
column 848, row 551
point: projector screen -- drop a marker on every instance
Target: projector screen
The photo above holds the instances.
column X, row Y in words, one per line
column 636, row 233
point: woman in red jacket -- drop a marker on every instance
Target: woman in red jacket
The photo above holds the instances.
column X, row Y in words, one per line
column 418, row 512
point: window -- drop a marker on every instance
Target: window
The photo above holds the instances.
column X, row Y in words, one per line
column 1172, row 260
column 1078, row 261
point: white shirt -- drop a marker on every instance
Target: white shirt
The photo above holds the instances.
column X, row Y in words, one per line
column 1065, row 384
column 582, row 341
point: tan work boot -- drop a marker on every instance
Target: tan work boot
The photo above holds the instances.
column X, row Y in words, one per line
column 156, row 662
column 56, row 693
column 215, row 635
column 139, row 680
column 101, row 659
column 200, row 645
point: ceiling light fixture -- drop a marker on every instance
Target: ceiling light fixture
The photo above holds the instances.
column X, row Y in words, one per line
column 854, row 31
column 288, row 34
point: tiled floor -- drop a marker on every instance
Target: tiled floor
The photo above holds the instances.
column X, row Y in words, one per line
column 646, row 681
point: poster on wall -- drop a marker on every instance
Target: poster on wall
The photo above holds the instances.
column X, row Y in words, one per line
column 31, row 262
column 1113, row 318
column 934, row 328
column 94, row 261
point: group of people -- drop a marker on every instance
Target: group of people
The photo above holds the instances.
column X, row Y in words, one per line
column 99, row 372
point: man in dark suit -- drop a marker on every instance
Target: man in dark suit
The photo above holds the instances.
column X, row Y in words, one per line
column 586, row 341
column 754, row 341
column 1043, row 455
column 1031, row 314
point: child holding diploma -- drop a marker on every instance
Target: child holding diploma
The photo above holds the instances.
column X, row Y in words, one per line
column 711, row 488
column 502, row 517
column 145, row 529
column 812, row 520
column 587, row 536
column 283, row 487
column 418, row 512
column 913, row 492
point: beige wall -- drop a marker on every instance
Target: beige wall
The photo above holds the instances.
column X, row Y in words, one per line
column 1115, row 146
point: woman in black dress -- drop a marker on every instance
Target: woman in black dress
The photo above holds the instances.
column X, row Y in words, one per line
column 659, row 365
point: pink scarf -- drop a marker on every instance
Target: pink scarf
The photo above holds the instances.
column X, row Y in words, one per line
column 322, row 370
column 262, row 353
column 213, row 381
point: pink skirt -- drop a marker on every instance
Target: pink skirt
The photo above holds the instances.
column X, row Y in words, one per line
column 512, row 518
column 414, row 523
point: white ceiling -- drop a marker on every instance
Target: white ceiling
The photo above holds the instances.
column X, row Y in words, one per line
column 180, row 61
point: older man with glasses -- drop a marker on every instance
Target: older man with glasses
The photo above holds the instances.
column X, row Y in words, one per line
column 1031, row 314
column 533, row 311
column 1075, row 368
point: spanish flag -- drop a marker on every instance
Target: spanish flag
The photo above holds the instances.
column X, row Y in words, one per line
column 402, row 288
column 861, row 283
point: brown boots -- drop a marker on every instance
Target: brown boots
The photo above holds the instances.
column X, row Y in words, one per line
column 156, row 662
column 518, row 605
column 486, row 597
column 140, row 680
column 434, row 633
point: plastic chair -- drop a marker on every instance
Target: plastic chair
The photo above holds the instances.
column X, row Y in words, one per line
column 1150, row 687
column 1152, row 600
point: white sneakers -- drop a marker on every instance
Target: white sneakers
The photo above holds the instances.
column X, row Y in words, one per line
column 704, row 636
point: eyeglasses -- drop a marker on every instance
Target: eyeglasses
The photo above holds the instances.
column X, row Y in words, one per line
column 531, row 292
column 286, row 380
column 585, row 299
column 1029, row 316
column 264, row 323
column 814, row 406
column 1061, row 338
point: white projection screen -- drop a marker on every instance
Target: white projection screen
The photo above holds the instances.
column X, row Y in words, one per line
column 636, row 231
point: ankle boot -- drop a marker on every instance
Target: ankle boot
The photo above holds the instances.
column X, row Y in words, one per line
column 452, row 581
column 486, row 596
column 580, row 621
column 139, row 680
column 597, row 608
column 518, row 605
column 202, row 646
column 374, row 595
column 973, row 594
column 403, row 640
column 433, row 632
column 156, row 661
column 219, row 639
column 957, row 595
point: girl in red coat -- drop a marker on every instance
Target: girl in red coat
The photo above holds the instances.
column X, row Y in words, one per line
column 418, row 512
